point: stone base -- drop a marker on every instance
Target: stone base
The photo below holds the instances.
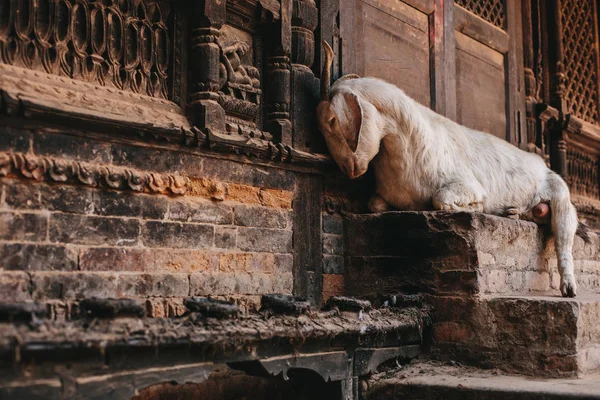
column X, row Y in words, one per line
column 493, row 283
column 457, row 253
column 541, row 336
column 426, row 381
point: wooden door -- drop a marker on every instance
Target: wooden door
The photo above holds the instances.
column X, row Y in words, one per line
column 459, row 58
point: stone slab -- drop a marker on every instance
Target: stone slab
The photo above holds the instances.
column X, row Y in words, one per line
column 534, row 335
column 422, row 381
column 452, row 253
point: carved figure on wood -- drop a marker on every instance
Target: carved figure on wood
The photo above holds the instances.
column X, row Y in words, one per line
column 232, row 69
column 422, row 160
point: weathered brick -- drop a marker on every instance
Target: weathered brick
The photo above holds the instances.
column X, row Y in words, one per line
column 71, row 147
column 333, row 285
column 333, row 264
column 159, row 160
column 69, row 199
column 15, row 140
column 234, row 262
column 165, row 308
column 130, row 204
column 243, row 173
column 177, row 235
column 333, row 223
column 225, row 237
column 283, row 283
column 222, row 284
column 284, row 263
column 38, row 257
column 264, row 240
column 157, row 284
column 183, row 260
column 208, row 188
column 116, row 259
column 210, row 284
column 81, row 229
column 197, row 210
column 14, row 286
column 453, row 332
column 262, row 217
column 26, row 227
column 73, row 285
column 259, row 284
column 254, row 195
column 262, row 262
column 333, row 244
column 21, row 195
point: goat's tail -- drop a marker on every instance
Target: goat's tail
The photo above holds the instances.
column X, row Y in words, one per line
column 583, row 231
column 564, row 226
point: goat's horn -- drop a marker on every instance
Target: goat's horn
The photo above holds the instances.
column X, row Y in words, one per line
column 326, row 72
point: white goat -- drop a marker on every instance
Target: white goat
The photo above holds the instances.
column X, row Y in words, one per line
column 423, row 160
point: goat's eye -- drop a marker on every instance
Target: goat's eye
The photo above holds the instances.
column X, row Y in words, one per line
column 331, row 122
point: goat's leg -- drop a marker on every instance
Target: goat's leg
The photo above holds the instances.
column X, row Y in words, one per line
column 377, row 204
column 563, row 220
column 458, row 196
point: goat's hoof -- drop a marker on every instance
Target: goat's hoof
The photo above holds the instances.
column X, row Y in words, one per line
column 568, row 287
column 512, row 212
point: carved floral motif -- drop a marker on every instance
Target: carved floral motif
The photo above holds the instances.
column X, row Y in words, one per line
column 118, row 43
column 59, row 170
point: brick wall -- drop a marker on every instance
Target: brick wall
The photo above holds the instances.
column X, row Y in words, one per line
column 229, row 235
column 333, row 255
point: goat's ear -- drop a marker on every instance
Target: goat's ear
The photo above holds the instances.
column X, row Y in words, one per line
column 325, row 114
column 355, row 117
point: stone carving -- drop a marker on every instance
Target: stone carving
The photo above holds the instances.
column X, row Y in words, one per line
column 59, row 170
column 239, row 83
column 119, row 43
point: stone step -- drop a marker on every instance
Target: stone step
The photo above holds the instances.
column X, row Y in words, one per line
column 533, row 335
column 446, row 253
column 434, row 381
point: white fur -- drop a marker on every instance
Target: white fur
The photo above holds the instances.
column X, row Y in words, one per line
column 422, row 159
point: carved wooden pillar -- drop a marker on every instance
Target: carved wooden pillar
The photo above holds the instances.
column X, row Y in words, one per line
column 558, row 78
column 278, row 77
column 304, row 84
column 531, row 99
column 207, row 17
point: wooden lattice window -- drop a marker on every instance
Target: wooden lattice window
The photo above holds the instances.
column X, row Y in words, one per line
column 580, row 58
column 583, row 173
column 118, row 43
column 490, row 10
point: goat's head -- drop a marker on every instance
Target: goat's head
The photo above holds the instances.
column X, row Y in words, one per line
column 342, row 120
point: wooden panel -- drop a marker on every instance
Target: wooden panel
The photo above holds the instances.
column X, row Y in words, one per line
column 393, row 44
column 481, row 86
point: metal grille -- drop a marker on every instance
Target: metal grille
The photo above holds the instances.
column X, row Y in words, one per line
column 580, row 58
column 490, row 10
column 119, row 43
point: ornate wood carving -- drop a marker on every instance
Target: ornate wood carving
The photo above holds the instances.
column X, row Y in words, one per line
column 490, row 10
column 278, row 86
column 305, row 18
column 206, row 19
column 117, row 43
column 580, row 58
column 582, row 172
column 94, row 175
